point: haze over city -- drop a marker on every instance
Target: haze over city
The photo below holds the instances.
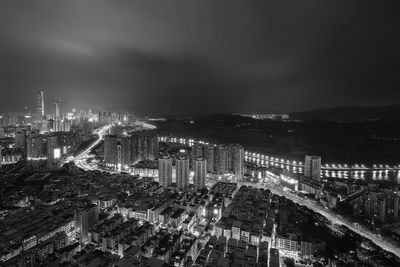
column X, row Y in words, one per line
column 199, row 134
column 172, row 57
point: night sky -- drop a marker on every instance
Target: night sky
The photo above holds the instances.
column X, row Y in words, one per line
column 199, row 56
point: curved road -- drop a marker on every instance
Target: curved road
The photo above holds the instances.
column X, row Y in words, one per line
column 80, row 161
column 379, row 241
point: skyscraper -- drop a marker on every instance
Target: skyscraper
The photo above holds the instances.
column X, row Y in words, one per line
column 221, row 160
column 200, row 173
column 236, row 160
column 53, row 149
column 165, row 171
column 40, row 105
column 312, row 167
column 1, row 156
column 57, row 118
column 34, row 144
column 110, row 150
column 182, row 173
column 20, row 139
column 126, row 151
column 209, row 155
column 144, row 146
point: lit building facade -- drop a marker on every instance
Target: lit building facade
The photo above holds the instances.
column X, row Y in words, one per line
column 312, row 167
column 200, row 173
column 165, row 171
column 182, row 173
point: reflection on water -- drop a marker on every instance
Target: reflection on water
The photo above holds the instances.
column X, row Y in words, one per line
column 375, row 175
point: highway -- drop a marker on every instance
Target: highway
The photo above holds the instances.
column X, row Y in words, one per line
column 80, row 161
column 332, row 217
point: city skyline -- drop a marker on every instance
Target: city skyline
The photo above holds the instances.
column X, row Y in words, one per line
column 199, row 133
column 157, row 57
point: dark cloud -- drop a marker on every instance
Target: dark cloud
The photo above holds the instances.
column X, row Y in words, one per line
column 199, row 56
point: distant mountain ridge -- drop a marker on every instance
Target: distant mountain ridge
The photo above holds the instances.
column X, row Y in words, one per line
column 391, row 112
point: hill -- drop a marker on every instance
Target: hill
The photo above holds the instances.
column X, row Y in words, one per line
column 391, row 112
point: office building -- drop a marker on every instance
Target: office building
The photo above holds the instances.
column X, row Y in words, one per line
column 221, row 159
column 144, row 146
column 57, row 118
column 40, row 105
column 110, row 150
column 236, row 160
column 182, row 173
column 312, row 167
column 197, row 152
column 165, row 171
column 200, row 173
column 34, row 144
column 53, row 149
column 105, row 117
column 124, row 151
column 209, row 156
column 86, row 218
column 20, row 139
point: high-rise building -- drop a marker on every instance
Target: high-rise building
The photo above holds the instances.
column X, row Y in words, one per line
column 110, row 150
column 209, row 156
column 53, row 149
column 144, row 146
column 105, row 117
column 65, row 126
column 1, row 156
column 182, row 173
column 221, row 159
column 40, row 105
column 126, row 150
column 20, row 139
column 86, row 218
column 57, row 118
column 1, row 132
column 312, row 167
column 382, row 209
column 200, row 173
column 236, row 160
column 396, row 206
column 165, row 171
column 34, row 144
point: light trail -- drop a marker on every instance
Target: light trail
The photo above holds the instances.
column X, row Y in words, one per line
column 377, row 240
column 80, row 161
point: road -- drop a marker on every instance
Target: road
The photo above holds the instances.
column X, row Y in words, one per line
column 332, row 217
column 80, row 159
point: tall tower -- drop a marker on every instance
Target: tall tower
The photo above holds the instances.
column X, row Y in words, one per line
column 312, row 167
column 57, row 118
column 1, row 156
column 200, row 173
column 40, row 104
column 165, row 171
column 182, row 173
